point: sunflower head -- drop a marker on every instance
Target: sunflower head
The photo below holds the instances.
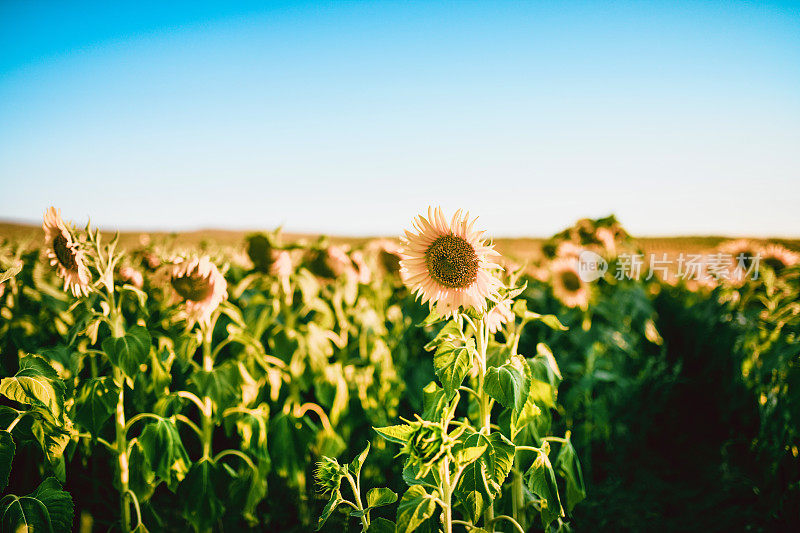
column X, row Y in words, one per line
column 568, row 285
column 447, row 263
column 330, row 263
column 199, row 285
column 259, row 249
column 778, row 257
column 132, row 276
column 388, row 255
column 65, row 254
column 742, row 251
column 192, row 286
column 451, row 260
column 328, row 474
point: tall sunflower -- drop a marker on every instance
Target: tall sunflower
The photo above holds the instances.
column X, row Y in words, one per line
column 199, row 284
column 447, row 264
column 65, row 254
column 568, row 285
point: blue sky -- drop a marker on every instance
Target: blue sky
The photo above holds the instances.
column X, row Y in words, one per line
column 350, row 118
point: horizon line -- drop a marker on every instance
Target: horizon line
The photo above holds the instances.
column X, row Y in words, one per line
column 308, row 232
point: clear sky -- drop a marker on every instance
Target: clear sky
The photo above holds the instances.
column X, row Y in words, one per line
column 351, row 117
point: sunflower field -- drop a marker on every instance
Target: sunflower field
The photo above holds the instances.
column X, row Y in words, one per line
column 426, row 383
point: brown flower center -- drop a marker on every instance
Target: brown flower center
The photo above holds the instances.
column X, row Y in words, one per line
column 571, row 281
column 65, row 254
column 452, row 261
column 193, row 286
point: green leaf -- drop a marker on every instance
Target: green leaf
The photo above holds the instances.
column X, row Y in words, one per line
column 52, row 439
column 379, row 497
column 381, row 525
column 36, row 384
column 96, row 403
column 11, row 272
column 356, row 464
column 252, row 428
column 333, row 503
column 434, row 401
column 287, row 448
column 399, row 433
column 544, row 350
column 129, row 351
column 512, row 292
column 482, row 480
column 38, row 365
column 415, row 507
column 449, row 332
column 432, row 318
column 550, row 321
column 7, row 449
column 47, row 509
column 164, row 450
column 220, row 384
column 568, row 466
column 541, row 480
column 506, row 384
column 470, row 450
column 452, row 362
column 544, row 383
column 198, row 495
column 142, row 480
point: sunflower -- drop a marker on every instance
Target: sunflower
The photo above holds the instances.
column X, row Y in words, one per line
column 65, row 254
column 282, row 268
column 388, row 253
column 259, row 249
column 745, row 255
column 568, row 250
column 132, row 276
column 607, row 238
column 447, row 264
column 330, row 263
column 199, row 284
column 568, row 285
column 778, row 257
column 364, row 272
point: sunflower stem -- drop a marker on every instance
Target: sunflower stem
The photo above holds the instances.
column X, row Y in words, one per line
column 121, row 443
column 206, row 412
column 517, row 496
column 481, row 337
column 357, row 493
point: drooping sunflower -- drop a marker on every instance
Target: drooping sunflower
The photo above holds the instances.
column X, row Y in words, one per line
column 778, row 257
column 448, row 264
column 607, row 238
column 388, row 253
column 130, row 275
column 259, row 249
column 199, row 284
column 745, row 256
column 330, row 263
column 65, row 254
column 567, row 283
column 282, row 268
column 364, row 272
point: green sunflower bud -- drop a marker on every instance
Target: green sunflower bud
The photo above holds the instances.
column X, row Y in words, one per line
column 328, row 474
